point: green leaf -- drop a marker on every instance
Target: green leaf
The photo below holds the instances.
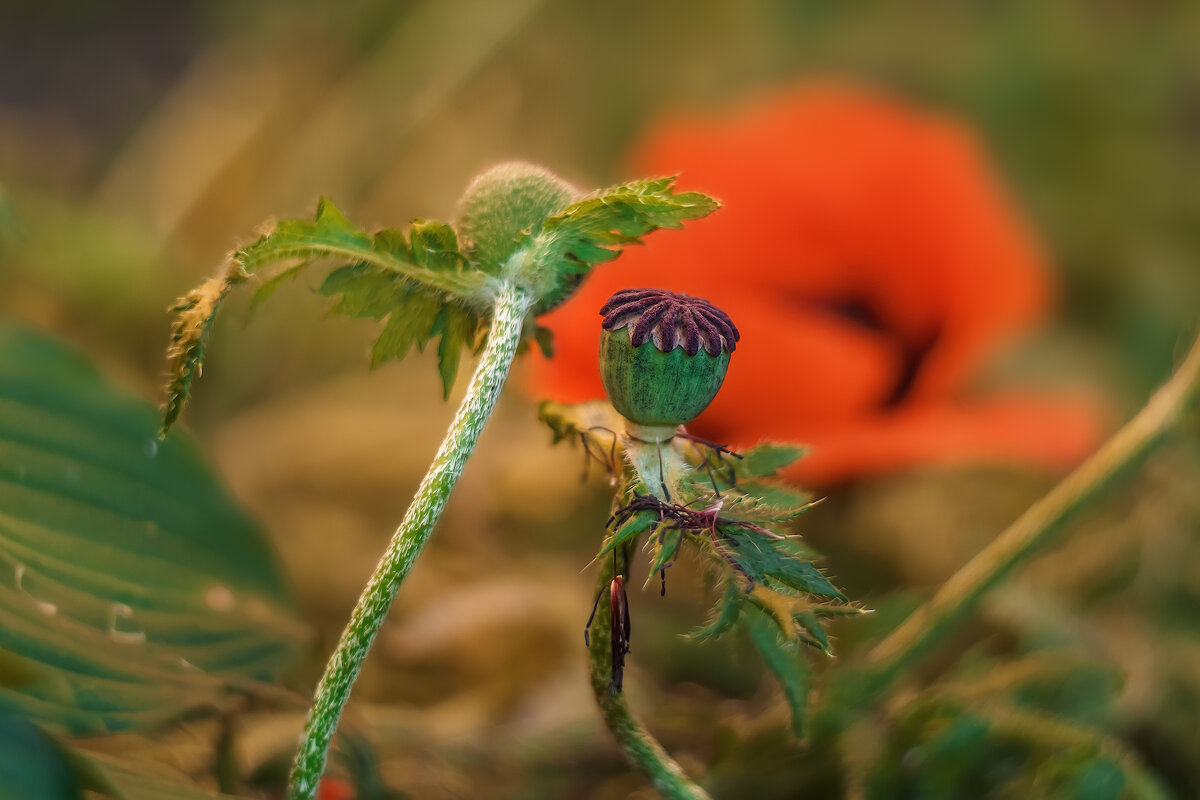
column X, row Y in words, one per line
column 413, row 328
column 364, row 290
column 435, row 246
column 593, row 230
column 665, row 547
column 457, row 327
column 185, row 353
column 780, row 502
column 331, row 235
column 272, row 285
column 32, row 766
column 724, row 615
column 784, row 660
column 766, row 459
column 778, row 564
column 810, row 623
column 633, row 527
column 384, row 273
column 131, row 586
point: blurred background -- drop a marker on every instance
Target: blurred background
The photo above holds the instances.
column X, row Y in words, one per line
column 140, row 142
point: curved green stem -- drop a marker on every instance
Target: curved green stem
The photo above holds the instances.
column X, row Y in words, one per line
column 666, row 776
column 1036, row 528
column 511, row 306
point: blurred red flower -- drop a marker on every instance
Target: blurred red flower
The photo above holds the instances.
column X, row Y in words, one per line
column 872, row 262
column 334, row 789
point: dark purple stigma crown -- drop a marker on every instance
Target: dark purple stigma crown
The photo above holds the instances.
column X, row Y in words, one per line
column 669, row 320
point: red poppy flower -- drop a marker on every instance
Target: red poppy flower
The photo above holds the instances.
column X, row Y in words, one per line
column 334, row 789
column 872, row 262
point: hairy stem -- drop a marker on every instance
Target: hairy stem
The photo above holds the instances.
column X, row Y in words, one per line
column 642, row 749
column 509, row 312
column 1038, row 527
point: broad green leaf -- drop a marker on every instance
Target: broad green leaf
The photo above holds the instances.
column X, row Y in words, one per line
column 131, row 586
column 32, row 766
column 783, row 659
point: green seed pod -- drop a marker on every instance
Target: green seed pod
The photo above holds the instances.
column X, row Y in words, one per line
column 663, row 355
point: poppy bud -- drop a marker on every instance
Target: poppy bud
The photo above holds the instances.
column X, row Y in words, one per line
column 502, row 208
column 663, row 355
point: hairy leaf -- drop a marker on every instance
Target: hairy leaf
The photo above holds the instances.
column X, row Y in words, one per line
column 132, row 588
column 274, row 284
column 384, row 273
column 780, row 564
column 185, row 354
column 593, row 230
column 766, row 459
column 331, row 235
column 633, row 527
column 724, row 615
column 783, row 659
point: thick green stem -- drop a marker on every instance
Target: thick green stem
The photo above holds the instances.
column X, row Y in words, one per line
column 509, row 312
column 1036, row 528
column 666, row 776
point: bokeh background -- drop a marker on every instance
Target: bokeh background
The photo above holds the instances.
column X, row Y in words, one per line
column 141, row 141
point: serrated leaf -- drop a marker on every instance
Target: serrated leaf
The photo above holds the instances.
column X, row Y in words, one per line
column 811, row 625
column 189, row 333
column 776, row 502
column 274, row 284
column 331, row 235
column 778, row 564
column 725, row 614
column 131, row 586
column 767, row 459
column 411, row 328
column 435, row 246
column 364, row 290
column 457, row 328
column 783, row 659
column 633, row 527
column 593, row 230
column 383, row 273
column 665, row 547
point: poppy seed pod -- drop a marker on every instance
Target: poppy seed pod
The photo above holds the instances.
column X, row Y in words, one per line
column 663, row 355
